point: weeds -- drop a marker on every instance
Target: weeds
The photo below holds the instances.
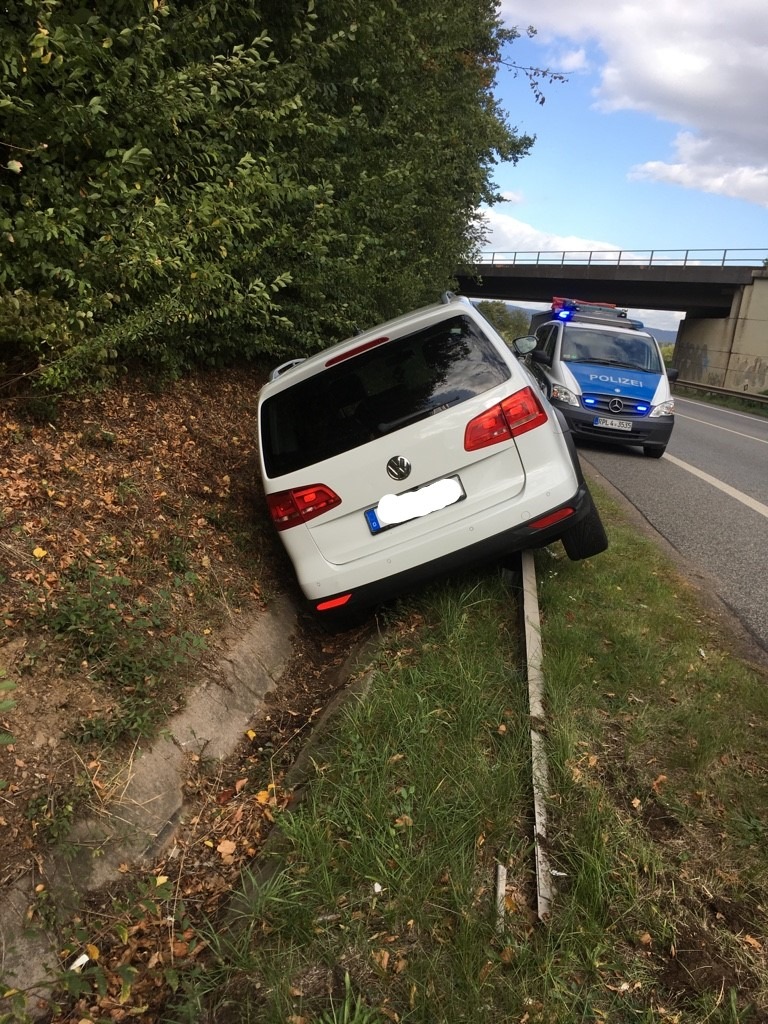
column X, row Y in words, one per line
column 393, row 848
column 124, row 639
column 6, row 705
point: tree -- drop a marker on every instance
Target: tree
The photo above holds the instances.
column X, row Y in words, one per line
column 188, row 182
column 511, row 323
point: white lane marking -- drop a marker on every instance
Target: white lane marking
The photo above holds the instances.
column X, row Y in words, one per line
column 709, row 423
column 745, row 499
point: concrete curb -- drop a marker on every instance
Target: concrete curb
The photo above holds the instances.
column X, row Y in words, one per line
column 141, row 822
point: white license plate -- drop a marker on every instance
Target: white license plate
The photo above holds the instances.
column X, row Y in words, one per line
column 604, row 421
column 394, row 509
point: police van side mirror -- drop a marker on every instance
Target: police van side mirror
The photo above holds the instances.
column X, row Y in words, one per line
column 672, row 374
column 524, row 345
column 540, row 356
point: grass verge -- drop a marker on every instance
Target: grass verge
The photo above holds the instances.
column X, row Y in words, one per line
column 382, row 905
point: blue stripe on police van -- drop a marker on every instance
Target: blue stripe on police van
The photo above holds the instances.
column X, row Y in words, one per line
column 615, row 380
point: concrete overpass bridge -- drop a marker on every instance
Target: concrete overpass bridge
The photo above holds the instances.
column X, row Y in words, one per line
column 723, row 339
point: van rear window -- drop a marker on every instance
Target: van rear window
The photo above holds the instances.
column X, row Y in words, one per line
column 377, row 393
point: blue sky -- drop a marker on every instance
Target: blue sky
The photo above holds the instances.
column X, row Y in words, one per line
column 658, row 139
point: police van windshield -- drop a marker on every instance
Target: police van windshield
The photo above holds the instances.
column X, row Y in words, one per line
column 588, row 346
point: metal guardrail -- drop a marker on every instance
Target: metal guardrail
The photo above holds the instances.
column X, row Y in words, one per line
column 631, row 258
column 747, row 396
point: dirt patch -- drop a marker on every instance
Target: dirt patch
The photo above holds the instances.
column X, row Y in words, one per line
column 131, row 521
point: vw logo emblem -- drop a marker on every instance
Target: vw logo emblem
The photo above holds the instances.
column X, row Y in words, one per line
column 399, row 467
column 615, row 405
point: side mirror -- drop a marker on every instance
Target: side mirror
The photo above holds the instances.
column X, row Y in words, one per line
column 524, row 345
column 540, row 356
column 672, row 374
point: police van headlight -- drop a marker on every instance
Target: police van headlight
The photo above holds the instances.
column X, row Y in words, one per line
column 561, row 394
column 664, row 408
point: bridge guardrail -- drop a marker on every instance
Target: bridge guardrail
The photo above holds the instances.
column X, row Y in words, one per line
column 630, row 257
column 748, row 396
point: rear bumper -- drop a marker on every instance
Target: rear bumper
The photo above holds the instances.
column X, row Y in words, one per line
column 645, row 430
column 490, row 549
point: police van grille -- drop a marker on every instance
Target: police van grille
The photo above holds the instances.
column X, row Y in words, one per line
column 602, row 404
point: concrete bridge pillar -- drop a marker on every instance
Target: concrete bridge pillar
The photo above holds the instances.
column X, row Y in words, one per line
column 730, row 352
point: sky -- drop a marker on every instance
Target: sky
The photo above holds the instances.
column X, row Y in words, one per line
column 658, row 140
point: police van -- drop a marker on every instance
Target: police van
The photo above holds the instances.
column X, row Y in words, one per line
column 605, row 373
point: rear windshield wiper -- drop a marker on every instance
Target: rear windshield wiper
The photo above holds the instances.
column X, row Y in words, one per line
column 387, row 428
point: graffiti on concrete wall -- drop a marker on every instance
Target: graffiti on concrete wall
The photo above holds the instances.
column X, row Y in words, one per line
column 747, row 373
column 692, row 360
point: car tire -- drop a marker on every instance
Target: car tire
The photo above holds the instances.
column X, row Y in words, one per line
column 654, row 451
column 587, row 537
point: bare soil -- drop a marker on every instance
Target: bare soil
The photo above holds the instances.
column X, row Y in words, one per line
column 156, row 485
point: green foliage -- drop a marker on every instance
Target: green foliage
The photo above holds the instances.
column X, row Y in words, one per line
column 510, row 323
column 188, row 183
column 667, row 353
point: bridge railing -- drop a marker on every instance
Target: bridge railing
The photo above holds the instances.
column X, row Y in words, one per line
column 631, row 258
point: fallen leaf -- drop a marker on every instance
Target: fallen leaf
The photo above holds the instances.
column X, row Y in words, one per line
column 226, row 848
column 381, row 958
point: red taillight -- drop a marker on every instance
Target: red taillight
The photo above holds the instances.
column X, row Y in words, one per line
column 300, row 504
column 334, row 602
column 551, row 519
column 515, row 415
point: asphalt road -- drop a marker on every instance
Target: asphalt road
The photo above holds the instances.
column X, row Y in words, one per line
column 708, row 496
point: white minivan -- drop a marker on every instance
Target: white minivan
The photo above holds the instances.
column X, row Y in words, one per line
column 417, row 447
column 605, row 373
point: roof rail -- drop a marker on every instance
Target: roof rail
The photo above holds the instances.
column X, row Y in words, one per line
column 447, row 297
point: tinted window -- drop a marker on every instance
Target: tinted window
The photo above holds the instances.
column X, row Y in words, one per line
column 377, row 393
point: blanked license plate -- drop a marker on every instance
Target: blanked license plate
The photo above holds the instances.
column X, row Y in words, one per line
column 394, row 509
column 611, row 424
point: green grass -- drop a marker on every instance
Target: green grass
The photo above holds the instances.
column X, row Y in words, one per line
column 657, row 811
column 378, row 902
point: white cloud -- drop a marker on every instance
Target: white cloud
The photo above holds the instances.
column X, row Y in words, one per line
column 700, row 166
column 508, row 234
column 702, row 66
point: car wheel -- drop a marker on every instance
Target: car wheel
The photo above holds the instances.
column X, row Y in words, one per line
column 654, row 451
column 587, row 537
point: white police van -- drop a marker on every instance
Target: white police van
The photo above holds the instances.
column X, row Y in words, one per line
column 605, row 374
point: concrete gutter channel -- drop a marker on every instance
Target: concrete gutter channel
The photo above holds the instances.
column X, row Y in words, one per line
column 142, row 822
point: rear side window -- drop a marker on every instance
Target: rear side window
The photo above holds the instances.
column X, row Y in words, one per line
column 377, row 393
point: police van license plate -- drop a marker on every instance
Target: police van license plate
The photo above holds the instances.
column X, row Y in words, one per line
column 611, row 424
